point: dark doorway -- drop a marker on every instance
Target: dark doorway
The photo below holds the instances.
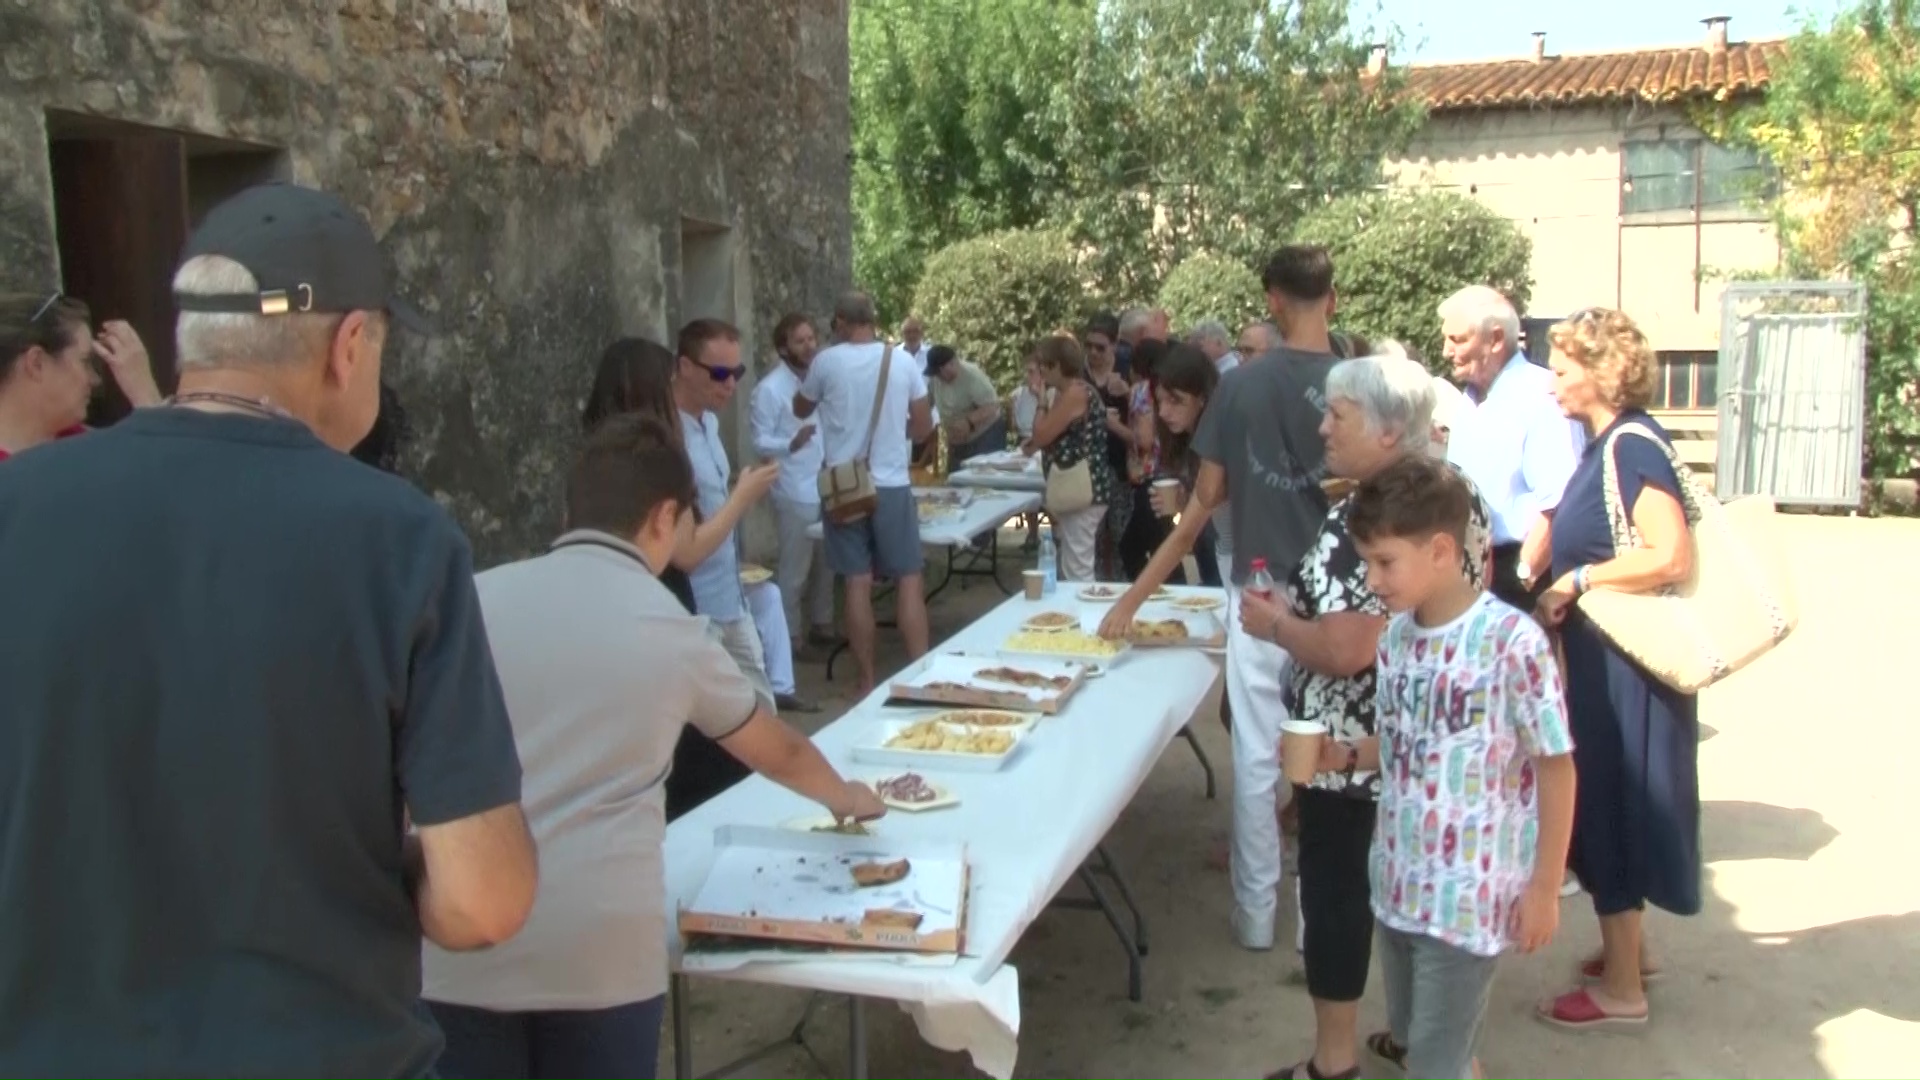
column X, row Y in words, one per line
column 125, row 197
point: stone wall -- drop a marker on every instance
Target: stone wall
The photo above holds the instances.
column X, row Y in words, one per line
column 532, row 165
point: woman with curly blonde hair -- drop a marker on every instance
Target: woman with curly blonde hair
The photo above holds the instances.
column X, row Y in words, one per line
column 1621, row 525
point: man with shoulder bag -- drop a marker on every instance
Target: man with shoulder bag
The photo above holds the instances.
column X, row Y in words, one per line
column 872, row 403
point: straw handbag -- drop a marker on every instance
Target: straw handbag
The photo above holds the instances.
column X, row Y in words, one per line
column 1736, row 603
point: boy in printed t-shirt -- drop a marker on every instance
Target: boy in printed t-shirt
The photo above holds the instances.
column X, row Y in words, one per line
column 1476, row 768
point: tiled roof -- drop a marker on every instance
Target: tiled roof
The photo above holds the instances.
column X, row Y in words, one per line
column 1649, row 75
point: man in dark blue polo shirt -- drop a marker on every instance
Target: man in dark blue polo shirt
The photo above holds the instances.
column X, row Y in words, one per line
column 237, row 662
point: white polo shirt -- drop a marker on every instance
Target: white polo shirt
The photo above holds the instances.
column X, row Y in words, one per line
column 774, row 427
column 841, row 383
column 602, row 668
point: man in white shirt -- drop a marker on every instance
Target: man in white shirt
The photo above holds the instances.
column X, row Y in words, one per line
column 1514, row 443
column 601, row 669
column 781, row 437
column 913, row 340
column 841, row 386
column 1210, row 337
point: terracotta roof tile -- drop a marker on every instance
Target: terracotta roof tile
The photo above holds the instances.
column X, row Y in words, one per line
column 1648, row 75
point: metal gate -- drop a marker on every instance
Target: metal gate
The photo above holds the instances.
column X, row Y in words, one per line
column 1793, row 383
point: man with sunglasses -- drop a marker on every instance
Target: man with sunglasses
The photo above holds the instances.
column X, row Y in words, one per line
column 48, row 371
column 709, row 371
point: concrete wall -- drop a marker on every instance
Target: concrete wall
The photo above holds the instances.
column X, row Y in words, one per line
column 1557, row 173
column 547, row 174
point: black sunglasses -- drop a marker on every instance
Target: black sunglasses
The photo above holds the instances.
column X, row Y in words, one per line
column 721, row 374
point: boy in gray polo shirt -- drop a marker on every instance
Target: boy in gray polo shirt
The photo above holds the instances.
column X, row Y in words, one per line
column 602, row 667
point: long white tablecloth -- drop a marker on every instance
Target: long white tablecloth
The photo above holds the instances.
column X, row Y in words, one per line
column 988, row 510
column 973, row 472
column 1027, row 828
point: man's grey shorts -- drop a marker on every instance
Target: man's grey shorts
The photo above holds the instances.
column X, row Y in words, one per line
column 885, row 544
column 1436, row 999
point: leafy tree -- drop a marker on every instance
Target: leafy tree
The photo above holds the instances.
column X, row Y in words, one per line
column 951, row 136
column 993, row 296
column 1398, row 254
column 1215, row 125
column 1212, row 287
column 1841, row 123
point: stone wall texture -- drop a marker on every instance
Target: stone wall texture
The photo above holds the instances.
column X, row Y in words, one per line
column 532, row 165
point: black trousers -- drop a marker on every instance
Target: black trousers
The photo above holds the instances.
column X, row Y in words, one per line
column 1336, row 835
column 1506, row 579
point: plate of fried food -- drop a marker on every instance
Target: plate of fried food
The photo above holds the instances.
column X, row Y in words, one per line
column 1198, row 602
column 933, row 744
column 1051, row 622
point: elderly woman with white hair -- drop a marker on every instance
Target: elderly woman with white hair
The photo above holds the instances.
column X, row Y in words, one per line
column 1379, row 409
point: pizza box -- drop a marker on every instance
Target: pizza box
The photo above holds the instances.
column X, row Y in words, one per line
column 955, row 679
column 873, row 750
column 781, row 885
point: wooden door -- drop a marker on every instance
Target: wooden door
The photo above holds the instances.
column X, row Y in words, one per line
column 120, row 207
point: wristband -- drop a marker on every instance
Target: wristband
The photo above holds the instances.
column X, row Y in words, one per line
column 1580, row 581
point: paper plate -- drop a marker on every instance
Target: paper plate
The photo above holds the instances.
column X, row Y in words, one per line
column 823, row 823
column 942, row 796
column 754, row 575
column 1199, row 603
column 1062, row 621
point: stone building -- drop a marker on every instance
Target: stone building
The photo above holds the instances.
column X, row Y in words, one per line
column 546, row 175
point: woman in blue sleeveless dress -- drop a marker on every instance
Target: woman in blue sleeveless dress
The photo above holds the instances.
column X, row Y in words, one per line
column 1621, row 525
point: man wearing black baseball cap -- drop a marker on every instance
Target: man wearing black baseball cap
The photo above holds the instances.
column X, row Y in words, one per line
column 242, row 662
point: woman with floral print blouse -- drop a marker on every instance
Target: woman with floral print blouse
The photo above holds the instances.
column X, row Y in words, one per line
column 1379, row 409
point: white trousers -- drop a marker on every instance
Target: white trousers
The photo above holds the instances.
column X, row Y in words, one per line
column 1256, row 675
column 775, row 644
column 1077, row 536
column 802, row 573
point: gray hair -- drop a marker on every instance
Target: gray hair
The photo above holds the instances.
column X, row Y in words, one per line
column 1210, row 330
column 1134, row 320
column 1393, row 393
column 1268, row 331
column 1484, row 309
column 206, row 339
column 855, row 308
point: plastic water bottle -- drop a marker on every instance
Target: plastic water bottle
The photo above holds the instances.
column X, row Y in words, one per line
column 1049, row 566
column 1259, row 581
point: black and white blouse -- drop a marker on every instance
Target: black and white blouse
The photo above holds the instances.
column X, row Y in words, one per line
column 1332, row 577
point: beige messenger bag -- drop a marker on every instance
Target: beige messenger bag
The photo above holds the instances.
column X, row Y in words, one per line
column 847, row 494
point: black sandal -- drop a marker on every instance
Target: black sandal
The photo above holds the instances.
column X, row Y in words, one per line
column 1381, row 1045
column 1304, row 1070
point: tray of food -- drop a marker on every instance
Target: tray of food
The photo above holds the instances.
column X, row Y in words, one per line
column 1167, row 626
column 931, row 744
column 952, row 679
column 912, row 792
column 1077, row 645
column 865, row 892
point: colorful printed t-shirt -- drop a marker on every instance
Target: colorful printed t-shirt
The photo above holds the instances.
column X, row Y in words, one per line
column 1463, row 709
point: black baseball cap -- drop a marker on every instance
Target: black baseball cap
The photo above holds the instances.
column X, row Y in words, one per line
column 309, row 250
column 940, row 356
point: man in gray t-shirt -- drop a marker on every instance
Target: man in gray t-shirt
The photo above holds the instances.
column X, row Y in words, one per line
column 1260, row 454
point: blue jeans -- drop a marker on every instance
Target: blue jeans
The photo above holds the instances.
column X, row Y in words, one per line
column 556, row 1045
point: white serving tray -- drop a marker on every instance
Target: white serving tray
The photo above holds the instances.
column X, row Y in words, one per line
column 874, row 751
column 964, row 670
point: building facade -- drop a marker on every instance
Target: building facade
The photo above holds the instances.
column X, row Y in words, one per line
column 546, row 176
column 1628, row 204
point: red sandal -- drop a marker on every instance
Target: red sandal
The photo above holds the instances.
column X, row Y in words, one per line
column 1577, row 1011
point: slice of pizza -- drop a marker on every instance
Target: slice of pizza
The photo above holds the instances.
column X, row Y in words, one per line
column 870, row 875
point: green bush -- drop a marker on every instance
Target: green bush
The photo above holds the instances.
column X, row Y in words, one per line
column 1208, row 286
column 993, row 296
column 1398, row 254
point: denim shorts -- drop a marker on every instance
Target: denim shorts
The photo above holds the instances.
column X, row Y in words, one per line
column 886, row 543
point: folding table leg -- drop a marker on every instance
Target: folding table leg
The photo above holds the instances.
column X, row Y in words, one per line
column 856, row 1037
column 1091, row 881
column 682, row 1029
column 1206, row 765
column 1112, row 870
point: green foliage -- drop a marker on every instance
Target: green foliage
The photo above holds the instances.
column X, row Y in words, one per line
column 1215, row 125
column 1398, row 254
column 951, row 136
column 993, row 296
column 1841, row 122
column 1212, row 287
column 1148, row 129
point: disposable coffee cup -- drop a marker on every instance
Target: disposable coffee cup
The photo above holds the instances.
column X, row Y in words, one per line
column 1035, row 582
column 1166, row 489
column 1300, row 749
